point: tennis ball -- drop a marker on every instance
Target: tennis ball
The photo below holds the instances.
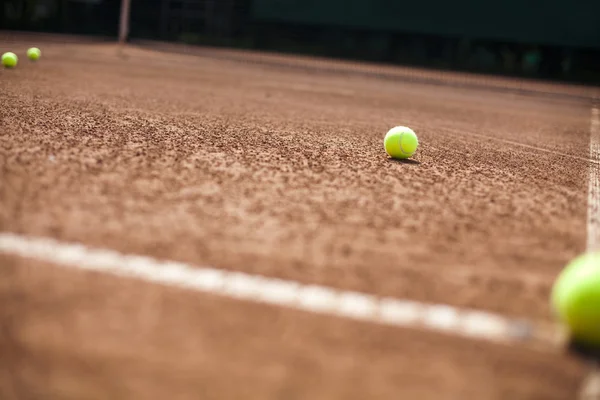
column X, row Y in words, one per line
column 34, row 54
column 9, row 60
column 400, row 142
column 575, row 298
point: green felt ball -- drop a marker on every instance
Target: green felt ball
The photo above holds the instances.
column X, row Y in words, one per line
column 576, row 298
column 34, row 54
column 9, row 60
column 400, row 142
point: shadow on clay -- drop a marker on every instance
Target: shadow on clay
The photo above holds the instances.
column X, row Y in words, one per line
column 409, row 161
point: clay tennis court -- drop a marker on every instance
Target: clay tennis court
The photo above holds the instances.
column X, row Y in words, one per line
column 274, row 166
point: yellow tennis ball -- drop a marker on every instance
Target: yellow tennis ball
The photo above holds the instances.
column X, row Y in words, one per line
column 9, row 60
column 576, row 298
column 34, row 54
column 400, row 142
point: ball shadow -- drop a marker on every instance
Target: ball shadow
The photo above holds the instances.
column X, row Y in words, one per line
column 583, row 351
column 408, row 161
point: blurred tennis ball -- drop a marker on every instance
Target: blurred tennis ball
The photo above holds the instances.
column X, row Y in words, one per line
column 576, row 298
column 400, row 142
column 34, row 54
column 9, row 60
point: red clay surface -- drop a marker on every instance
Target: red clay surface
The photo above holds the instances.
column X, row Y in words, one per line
column 265, row 169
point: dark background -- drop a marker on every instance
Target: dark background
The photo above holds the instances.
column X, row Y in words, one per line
column 549, row 39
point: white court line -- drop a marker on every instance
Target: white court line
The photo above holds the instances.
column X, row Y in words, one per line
column 590, row 389
column 593, row 218
column 316, row 299
column 590, row 160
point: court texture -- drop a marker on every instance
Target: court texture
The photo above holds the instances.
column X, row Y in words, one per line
column 192, row 223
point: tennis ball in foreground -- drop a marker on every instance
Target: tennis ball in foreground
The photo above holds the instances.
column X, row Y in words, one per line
column 9, row 60
column 400, row 142
column 34, row 54
column 576, row 298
